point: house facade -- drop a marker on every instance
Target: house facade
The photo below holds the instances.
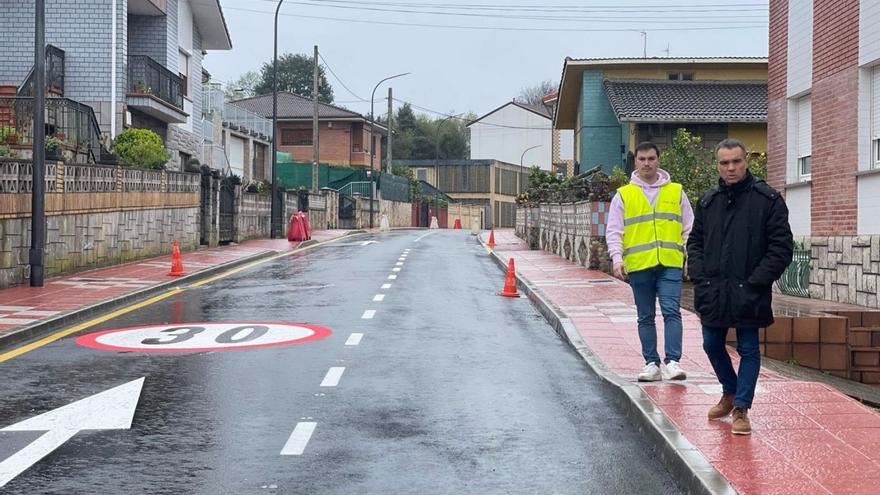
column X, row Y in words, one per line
column 490, row 184
column 514, row 132
column 135, row 63
column 343, row 136
column 824, row 139
column 613, row 104
column 235, row 139
column 562, row 155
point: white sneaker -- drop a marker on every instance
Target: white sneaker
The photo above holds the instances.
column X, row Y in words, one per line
column 674, row 371
column 651, row 373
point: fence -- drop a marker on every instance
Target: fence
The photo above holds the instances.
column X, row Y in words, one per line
column 795, row 281
column 84, row 188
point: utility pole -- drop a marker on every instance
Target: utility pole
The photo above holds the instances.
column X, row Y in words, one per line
column 315, row 147
column 644, row 44
column 390, row 132
column 275, row 206
column 38, row 190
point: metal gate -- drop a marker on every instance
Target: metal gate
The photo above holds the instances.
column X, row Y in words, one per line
column 205, row 208
column 347, row 217
column 227, row 210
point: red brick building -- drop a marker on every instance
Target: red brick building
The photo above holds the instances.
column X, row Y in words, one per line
column 824, row 138
column 343, row 135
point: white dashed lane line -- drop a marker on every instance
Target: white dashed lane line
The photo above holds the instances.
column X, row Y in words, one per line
column 386, row 286
column 369, row 314
column 392, row 277
column 334, row 374
column 378, row 297
column 299, row 438
column 354, row 339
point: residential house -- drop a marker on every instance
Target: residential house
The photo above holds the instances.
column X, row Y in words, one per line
column 514, row 133
column 134, row 63
column 492, row 184
column 824, row 61
column 562, row 155
column 343, row 136
column 613, row 104
column 235, row 139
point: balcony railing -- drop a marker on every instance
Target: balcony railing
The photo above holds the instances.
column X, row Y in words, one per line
column 54, row 74
column 148, row 77
column 71, row 122
column 245, row 121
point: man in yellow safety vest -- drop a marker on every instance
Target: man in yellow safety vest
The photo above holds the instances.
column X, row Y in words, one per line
column 648, row 225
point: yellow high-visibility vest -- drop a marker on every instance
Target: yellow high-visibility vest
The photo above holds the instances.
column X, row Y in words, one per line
column 652, row 236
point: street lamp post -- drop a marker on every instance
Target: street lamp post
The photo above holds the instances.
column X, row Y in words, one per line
column 437, row 141
column 522, row 169
column 38, row 190
column 372, row 139
column 275, row 220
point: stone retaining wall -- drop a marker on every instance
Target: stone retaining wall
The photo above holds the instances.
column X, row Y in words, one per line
column 575, row 231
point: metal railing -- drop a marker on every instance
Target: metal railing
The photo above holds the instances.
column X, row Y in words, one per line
column 148, row 77
column 795, row 281
column 71, row 122
column 54, row 74
column 234, row 116
column 352, row 188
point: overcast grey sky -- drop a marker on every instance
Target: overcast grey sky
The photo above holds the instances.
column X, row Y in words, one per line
column 479, row 67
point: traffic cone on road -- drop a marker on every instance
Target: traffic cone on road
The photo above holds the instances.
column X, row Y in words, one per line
column 457, row 224
column 176, row 263
column 509, row 289
column 491, row 242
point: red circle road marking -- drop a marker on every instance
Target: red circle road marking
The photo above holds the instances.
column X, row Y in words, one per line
column 301, row 332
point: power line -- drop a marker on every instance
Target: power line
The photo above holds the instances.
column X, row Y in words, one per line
column 702, row 19
column 321, row 56
column 456, row 117
column 497, row 28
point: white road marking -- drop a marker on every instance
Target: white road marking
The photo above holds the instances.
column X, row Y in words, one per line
column 392, row 277
column 378, row 297
column 369, row 314
column 402, row 258
column 112, row 409
column 386, row 286
column 298, row 440
column 354, row 339
column 399, row 263
column 334, row 374
column 426, row 235
column 395, row 269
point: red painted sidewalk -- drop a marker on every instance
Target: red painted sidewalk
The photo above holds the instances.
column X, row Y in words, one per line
column 807, row 438
column 24, row 305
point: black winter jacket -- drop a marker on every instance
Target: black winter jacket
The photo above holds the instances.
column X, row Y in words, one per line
column 740, row 244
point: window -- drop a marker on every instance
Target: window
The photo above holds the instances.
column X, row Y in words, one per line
column 680, row 76
column 183, row 69
column 804, row 137
column 875, row 117
column 296, row 137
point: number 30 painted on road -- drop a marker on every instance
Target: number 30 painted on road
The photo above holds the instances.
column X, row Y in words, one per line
column 193, row 337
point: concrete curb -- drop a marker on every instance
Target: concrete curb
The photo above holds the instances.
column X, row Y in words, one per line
column 691, row 470
column 45, row 327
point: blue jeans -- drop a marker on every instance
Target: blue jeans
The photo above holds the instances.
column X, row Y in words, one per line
column 741, row 386
column 648, row 285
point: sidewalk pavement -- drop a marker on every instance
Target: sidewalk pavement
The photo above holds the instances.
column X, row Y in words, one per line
column 807, row 437
column 28, row 312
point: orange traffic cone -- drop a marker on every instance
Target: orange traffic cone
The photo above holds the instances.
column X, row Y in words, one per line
column 457, row 224
column 491, row 242
column 176, row 263
column 509, row 282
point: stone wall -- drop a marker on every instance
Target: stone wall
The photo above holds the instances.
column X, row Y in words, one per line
column 90, row 240
column 575, row 231
column 845, row 269
column 399, row 213
column 252, row 218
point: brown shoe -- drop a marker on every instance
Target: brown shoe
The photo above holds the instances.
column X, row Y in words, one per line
column 723, row 408
column 741, row 424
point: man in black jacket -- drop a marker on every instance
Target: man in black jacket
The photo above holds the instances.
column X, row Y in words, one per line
column 740, row 244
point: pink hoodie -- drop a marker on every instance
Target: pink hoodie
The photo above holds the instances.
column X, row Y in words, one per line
column 614, row 230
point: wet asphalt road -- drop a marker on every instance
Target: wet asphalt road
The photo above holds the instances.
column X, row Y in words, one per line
column 451, row 389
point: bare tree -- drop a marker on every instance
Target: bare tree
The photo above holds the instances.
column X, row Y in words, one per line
column 533, row 94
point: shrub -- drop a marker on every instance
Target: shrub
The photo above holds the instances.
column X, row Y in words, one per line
column 5, row 151
column 141, row 148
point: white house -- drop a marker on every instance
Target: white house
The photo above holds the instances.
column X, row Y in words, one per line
column 508, row 132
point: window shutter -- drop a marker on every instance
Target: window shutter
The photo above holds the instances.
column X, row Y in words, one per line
column 875, row 103
column 804, row 135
